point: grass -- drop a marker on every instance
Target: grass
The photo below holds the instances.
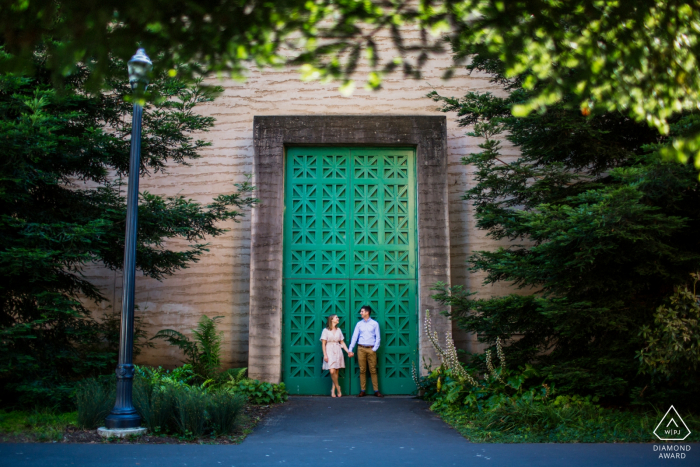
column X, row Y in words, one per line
column 49, row 426
column 559, row 425
column 39, row 425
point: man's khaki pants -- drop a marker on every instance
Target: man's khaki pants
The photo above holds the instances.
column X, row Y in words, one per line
column 366, row 357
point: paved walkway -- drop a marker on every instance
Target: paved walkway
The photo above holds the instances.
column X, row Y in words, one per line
column 325, row 432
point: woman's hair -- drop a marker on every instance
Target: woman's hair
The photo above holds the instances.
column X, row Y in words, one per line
column 329, row 322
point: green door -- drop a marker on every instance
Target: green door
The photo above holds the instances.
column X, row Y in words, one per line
column 349, row 240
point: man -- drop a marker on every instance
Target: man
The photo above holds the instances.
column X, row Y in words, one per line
column 366, row 336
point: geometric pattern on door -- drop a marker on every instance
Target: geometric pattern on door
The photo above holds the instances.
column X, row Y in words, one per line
column 349, row 240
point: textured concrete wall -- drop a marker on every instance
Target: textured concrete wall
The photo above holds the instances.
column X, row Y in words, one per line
column 219, row 283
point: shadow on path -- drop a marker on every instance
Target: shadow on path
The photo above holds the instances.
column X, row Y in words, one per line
column 322, row 432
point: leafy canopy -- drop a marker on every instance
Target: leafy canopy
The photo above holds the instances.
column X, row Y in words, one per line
column 639, row 58
column 219, row 36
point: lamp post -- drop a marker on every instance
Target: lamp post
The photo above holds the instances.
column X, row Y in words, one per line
column 124, row 415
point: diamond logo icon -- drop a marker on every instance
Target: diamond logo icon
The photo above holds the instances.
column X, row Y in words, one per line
column 672, row 427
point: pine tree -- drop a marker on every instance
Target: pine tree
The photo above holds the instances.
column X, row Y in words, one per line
column 601, row 228
column 62, row 206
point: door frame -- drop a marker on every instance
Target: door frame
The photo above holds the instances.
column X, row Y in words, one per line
column 271, row 134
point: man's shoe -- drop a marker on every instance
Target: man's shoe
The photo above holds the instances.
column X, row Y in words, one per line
column 378, row 394
column 361, row 394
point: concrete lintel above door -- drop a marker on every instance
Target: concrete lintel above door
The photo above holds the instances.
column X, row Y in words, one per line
column 428, row 134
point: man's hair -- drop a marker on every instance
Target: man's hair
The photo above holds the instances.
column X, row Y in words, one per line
column 368, row 308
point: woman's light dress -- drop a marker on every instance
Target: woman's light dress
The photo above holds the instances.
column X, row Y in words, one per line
column 333, row 349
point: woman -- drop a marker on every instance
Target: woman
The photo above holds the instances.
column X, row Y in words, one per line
column 332, row 341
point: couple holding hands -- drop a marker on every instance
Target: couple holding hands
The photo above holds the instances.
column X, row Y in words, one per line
column 366, row 336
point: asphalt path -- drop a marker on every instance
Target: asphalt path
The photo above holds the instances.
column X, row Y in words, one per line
column 326, row 432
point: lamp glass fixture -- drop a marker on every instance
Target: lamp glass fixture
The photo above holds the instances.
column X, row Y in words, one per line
column 139, row 67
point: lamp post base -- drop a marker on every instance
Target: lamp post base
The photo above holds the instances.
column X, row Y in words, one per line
column 121, row 432
column 123, row 421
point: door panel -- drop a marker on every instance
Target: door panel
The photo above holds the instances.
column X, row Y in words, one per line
column 306, row 304
column 350, row 240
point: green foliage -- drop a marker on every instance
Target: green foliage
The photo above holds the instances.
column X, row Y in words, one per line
column 179, row 376
column 191, row 411
column 258, row 392
column 168, row 402
column 232, row 374
column 204, row 353
column 563, row 420
column 41, row 425
column 601, row 230
column 203, row 356
column 597, row 57
column 155, row 403
column 328, row 38
column 453, row 384
column 225, row 411
column 672, row 347
column 62, row 206
column 94, row 400
column 515, row 406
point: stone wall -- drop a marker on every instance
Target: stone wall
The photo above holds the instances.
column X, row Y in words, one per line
column 218, row 285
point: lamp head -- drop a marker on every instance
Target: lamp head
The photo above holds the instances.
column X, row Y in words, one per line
column 139, row 67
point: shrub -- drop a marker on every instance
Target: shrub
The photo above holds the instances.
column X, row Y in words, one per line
column 672, row 346
column 225, row 411
column 94, row 399
column 258, row 392
column 180, row 376
column 169, row 401
column 155, row 404
column 204, row 352
column 42, row 392
column 452, row 384
column 232, row 374
column 537, row 416
column 191, row 411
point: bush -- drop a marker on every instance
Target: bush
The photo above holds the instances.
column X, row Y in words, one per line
column 155, row 404
column 258, row 392
column 180, row 376
column 47, row 392
column 503, row 405
column 204, row 352
column 225, row 411
column 672, row 346
column 452, row 384
column 171, row 400
column 191, row 411
column 232, row 374
column 565, row 419
column 94, row 399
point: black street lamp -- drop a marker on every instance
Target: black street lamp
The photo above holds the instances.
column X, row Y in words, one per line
column 124, row 415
